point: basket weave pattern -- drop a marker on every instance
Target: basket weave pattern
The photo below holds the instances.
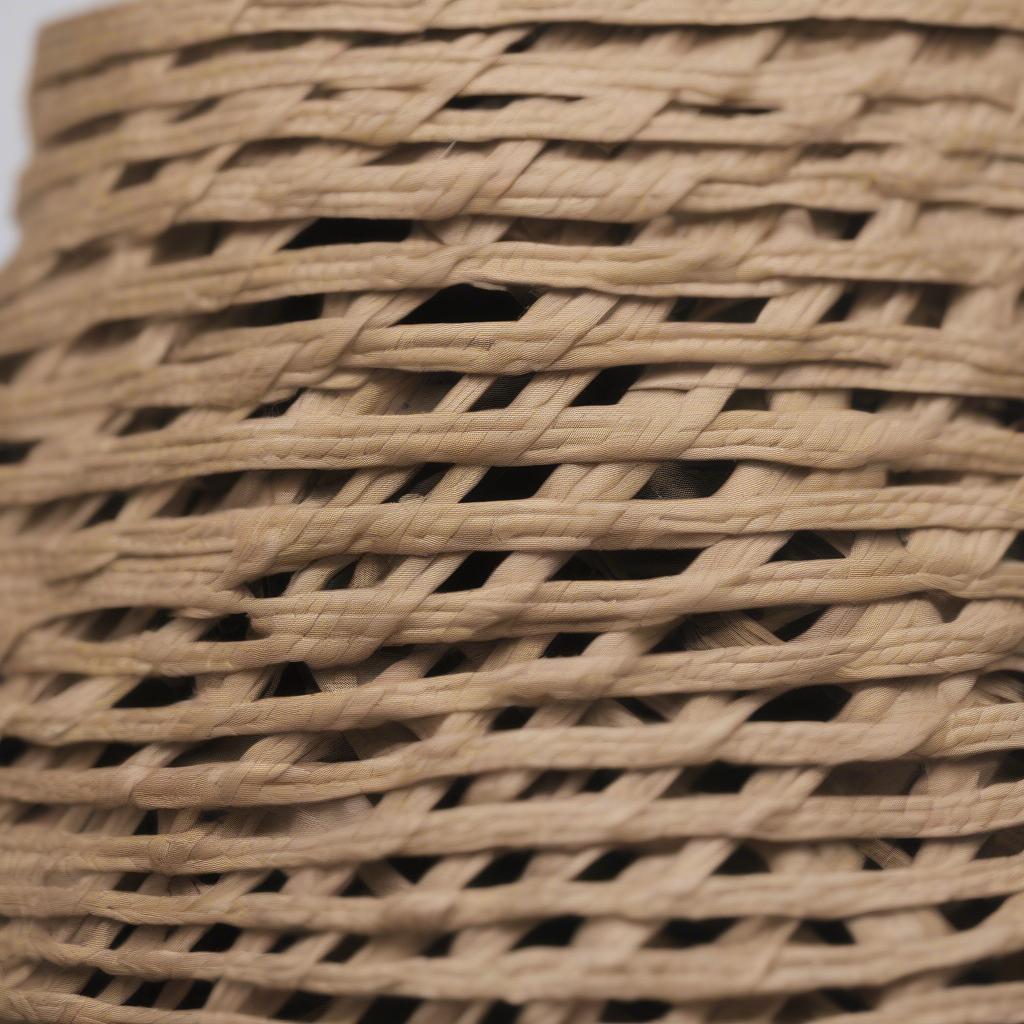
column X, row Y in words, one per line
column 510, row 515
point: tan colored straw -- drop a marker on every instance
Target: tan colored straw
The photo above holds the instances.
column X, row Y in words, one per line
column 510, row 515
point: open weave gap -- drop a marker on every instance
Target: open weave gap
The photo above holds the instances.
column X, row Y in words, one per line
column 513, row 517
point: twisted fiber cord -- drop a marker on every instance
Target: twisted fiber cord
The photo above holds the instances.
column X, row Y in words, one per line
column 510, row 515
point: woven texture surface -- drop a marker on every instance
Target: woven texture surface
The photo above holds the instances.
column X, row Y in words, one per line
column 510, row 516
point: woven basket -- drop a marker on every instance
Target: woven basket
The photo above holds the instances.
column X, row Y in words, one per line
column 511, row 512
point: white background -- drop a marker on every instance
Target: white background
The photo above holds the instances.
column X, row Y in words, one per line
column 19, row 22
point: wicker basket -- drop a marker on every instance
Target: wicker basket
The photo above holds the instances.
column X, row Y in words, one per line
column 510, row 515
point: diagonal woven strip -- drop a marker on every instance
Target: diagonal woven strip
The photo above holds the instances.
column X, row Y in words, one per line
column 511, row 515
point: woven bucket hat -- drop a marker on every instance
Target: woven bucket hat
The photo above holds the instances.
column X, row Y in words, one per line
column 510, row 515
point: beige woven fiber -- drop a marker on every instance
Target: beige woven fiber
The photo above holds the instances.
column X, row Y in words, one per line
column 510, row 514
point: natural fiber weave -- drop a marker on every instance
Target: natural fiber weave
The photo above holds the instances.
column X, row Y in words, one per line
column 510, row 515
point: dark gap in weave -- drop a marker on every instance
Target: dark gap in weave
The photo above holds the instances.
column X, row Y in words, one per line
column 932, row 305
column 632, row 564
column 744, row 860
column 887, row 852
column 421, row 483
column 1010, row 767
column 201, row 494
column 528, row 40
column 149, row 824
column 640, row 709
column 341, row 579
column 324, row 484
column 97, row 982
column 357, row 887
column 1006, row 412
column 431, row 389
column 993, row 969
column 476, row 102
column 468, row 303
column 110, row 509
column 159, row 691
column 273, row 881
column 141, row 172
column 865, row 400
column 724, row 112
column 186, row 242
column 105, row 622
column 80, row 258
column 608, row 866
column 966, row 914
column 1015, row 549
column 819, row 703
column 798, row 625
column 196, row 110
column 509, row 483
column 923, row 477
column 685, row 480
column 146, row 994
column 273, row 585
column 502, row 392
column 806, row 546
column 412, row 868
column 635, row 1011
column 349, row 231
column 841, row 308
column 832, row 932
column 685, row 933
column 273, row 410
column 473, row 572
column 390, row 1010
column 14, row 452
column 504, row 869
column 448, row 662
column 721, row 777
column 984, row 972
column 680, row 636
column 511, row 718
column 847, row 1000
column 217, row 939
column 454, row 793
column 546, row 783
column 229, row 629
column 10, row 365
column 346, row 948
column 853, row 225
column 701, row 309
column 295, row 679
column 949, row 606
column 11, row 748
column 747, row 399
column 440, row 946
column 150, row 419
column 132, row 881
column 92, row 128
column 569, row 645
column 122, row 936
column 160, row 618
column 608, row 386
column 303, row 1006
column 115, row 754
column 497, row 1013
column 600, row 779
column 555, row 931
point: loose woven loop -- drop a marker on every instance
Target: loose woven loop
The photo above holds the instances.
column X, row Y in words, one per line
column 511, row 513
